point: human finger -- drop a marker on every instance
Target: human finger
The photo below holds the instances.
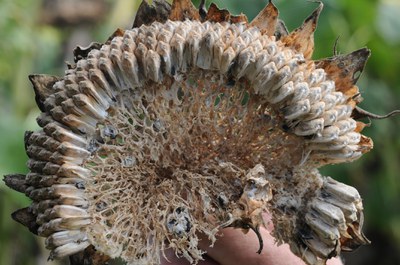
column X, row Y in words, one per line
column 236, row 248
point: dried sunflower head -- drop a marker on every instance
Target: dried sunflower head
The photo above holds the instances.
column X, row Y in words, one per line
column 190, row 122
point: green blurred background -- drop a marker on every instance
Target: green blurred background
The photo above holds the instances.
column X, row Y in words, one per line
column 38, row 37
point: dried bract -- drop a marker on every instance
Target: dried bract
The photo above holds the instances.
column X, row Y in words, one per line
column 191, row 122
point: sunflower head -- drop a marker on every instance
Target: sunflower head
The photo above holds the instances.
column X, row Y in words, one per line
column 190, row 122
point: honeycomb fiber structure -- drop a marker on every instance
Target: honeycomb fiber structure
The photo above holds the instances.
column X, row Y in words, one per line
column 190, row 122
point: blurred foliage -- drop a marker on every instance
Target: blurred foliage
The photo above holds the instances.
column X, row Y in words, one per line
column 28, row 46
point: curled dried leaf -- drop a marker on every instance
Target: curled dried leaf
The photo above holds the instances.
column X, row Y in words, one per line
column 83, row 52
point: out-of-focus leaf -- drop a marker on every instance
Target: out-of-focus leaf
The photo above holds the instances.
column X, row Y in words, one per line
column 388, row 22
column 12, row 154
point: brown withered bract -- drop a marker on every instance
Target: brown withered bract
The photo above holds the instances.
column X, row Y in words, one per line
column 190, row 122
column 147, row 14
column 266, row 20
column 302, row 39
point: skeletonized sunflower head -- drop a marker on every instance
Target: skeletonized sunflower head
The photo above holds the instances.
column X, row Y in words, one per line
column 190, row 122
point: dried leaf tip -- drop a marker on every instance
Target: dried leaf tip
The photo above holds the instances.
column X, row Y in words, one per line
column 302, row 39
column 42, row 85
column 16, row 182
column 345, row 70
column 25, row 217
column 183, row 9
column 267, row 19
column 215, row 14
column 146, row 14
